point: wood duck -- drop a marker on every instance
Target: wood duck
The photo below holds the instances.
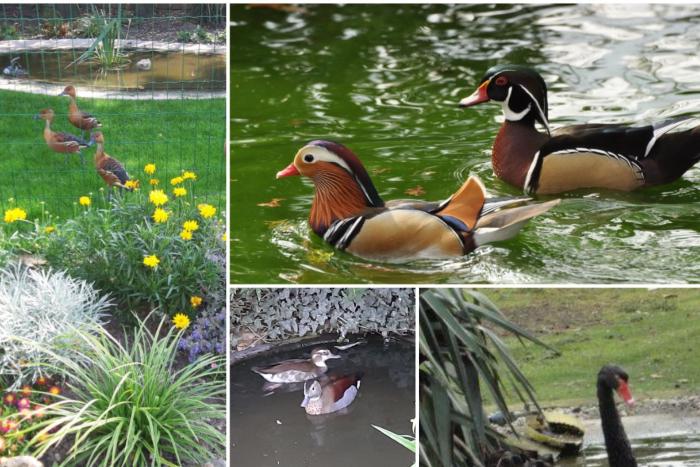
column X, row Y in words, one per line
column 349, row 214
column 297, row 370
column 79, row 119
column 611, row 156
column 334, row 394
column 64, row 143
column 111, row 170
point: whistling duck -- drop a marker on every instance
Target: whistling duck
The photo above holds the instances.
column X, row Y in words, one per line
column 79, row 119
column 613, row 378
column 65, row 143
column 349, row 214
column 297, row 370
column 332, row 395
column 611, row 156
column 111, row 170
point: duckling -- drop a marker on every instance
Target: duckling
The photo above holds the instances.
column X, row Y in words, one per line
column 64, row 143
column 79, row 119
column 297, row 370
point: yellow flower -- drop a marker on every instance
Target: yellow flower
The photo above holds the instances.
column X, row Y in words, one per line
column 195, row 300
column 190, row 225
column 84, row 201
column 186, row 235
column 206, row 210
column 133, row 184
column 150, row 169
column 179, row 191
column 154, row 181
column 49, row 228
column 224, row 237
column 160, row 215
column 176, row 180
column 187, row 175
column 158, row 198
column 151, row 261
column 15, row 214
column 181, row 321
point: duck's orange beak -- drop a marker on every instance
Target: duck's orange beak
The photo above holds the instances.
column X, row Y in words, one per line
column 288, row 171
column 479, row 96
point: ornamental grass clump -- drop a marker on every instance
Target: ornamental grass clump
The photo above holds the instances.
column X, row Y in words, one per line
column 129, row 404
column 44, row 307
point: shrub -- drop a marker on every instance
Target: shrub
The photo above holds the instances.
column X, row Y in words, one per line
column 43, row 307
column 148, row 248
column 130, row 406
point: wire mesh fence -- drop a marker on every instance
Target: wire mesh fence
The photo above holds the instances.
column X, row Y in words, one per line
column 153, row 75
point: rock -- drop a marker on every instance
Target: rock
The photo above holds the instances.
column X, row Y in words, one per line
column 144, row 64
column 21, row 461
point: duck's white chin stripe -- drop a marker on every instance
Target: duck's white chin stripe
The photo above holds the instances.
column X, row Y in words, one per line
column 512, row 116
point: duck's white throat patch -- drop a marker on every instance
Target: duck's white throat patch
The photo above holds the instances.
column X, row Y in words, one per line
column 510, row 114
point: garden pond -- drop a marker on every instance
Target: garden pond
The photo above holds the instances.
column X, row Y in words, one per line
column 272, row 429
column 385, row 80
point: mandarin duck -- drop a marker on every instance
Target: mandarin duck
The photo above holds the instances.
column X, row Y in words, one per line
column 297, row 370
column 111, row 170
column 332, row 395
column 65, row 143
column 349, row 214
column 79, row 119
column 597, row 155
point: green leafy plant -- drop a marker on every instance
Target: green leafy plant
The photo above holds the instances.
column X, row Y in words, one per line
column 464, row 360
column 184, row 36
column 143, row 252
column 8, row 32
column 45, row 307
column 106, row 50
column 409, row 442
column 130, row 405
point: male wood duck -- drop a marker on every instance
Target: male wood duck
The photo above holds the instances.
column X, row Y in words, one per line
column 297, row 370
column 79, row 119
column 64, row 143
column 611, row 156
column 349, row 214
column 332, row 395
column 111, row 170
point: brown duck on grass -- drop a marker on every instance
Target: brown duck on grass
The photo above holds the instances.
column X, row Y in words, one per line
column 79, row 119
column 348, row 212
column 111, row 170
column 596, row 155
column 61, row 142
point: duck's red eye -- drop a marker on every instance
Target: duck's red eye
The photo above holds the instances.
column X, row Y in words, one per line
column 501, row 81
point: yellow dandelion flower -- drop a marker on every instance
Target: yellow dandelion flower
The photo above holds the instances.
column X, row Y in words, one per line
column 187, row 175
column 154, row 181
column 176, row 180
column 150, row 169
column 15, row 214
column 160, row 215
column 224, row 237
column 84, row 201
column 179, row 191
column 49, row 228
column 158, row 197
column 190, row 225
column 132, row 184
column 195, row 300
column 151, row 261
column 186, row 235
column 181, row 321
column 206, row 210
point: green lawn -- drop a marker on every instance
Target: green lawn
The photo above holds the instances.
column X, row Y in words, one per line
column 653, row 334
column 173, row 134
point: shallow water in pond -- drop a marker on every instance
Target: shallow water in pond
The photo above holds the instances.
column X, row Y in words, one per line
column 668, row 451
column 272, row 430
column 385, row 80
column 169, row 71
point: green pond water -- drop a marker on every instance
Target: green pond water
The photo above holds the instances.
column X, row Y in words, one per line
column 385, row 80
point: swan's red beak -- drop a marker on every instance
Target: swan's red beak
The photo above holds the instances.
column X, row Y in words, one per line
column 623, row 390
column 288, row 171
column 477, row 97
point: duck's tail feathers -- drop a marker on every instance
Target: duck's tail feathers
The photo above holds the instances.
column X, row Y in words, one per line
column 506, row 223
column 465, row 205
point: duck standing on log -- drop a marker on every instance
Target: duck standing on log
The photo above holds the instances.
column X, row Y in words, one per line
column 596, row 155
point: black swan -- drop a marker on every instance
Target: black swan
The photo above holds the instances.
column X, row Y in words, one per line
column 617, row 445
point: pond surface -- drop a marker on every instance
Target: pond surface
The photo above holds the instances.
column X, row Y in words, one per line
column 272, row 430
column 386, row 79
column 169, row 71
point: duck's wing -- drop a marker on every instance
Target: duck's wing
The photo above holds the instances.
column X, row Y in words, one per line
column 287, row 365
column 62, row 137
column 116, row 167
column 504, row 224
column 343, row 390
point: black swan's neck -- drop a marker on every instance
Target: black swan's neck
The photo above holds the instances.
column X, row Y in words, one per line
column 616, row 443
